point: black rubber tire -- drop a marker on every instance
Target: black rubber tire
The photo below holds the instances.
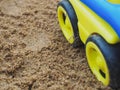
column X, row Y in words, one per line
column 73, row 19
column 111, row 54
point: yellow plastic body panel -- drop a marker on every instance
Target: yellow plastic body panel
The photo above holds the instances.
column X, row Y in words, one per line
column 90, row 23
column 114, row 1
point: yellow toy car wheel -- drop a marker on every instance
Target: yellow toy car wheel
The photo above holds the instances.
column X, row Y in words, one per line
column 97, row 61
column 104, row 59
column 68, row 22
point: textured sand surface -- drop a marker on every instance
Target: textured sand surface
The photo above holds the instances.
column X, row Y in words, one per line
column 34, row 54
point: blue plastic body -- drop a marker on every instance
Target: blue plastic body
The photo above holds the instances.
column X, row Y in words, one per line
column 109, row 12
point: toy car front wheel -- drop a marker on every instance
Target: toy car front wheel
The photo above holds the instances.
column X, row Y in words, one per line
column 68, row 22
column 97, row 62
column 103, row 59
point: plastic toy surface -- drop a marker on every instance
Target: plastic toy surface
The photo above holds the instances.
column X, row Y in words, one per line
column 96, row 23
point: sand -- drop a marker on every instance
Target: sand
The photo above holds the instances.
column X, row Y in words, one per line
column 34, row 54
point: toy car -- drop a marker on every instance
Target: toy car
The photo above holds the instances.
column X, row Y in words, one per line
column 95, row 23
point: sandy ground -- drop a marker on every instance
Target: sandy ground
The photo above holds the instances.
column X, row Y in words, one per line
column 34, row 54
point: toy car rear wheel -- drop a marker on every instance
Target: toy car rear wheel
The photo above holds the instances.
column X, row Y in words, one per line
column 103, row 59
column 68, row 22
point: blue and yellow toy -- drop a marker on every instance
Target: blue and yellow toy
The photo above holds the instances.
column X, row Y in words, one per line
column 96, row 23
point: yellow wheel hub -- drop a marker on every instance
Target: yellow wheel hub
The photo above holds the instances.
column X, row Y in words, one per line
column 97, row 63
column 65, row 24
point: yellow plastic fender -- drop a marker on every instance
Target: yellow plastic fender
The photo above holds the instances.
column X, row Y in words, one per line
column 90, row 23
column 114, row 1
